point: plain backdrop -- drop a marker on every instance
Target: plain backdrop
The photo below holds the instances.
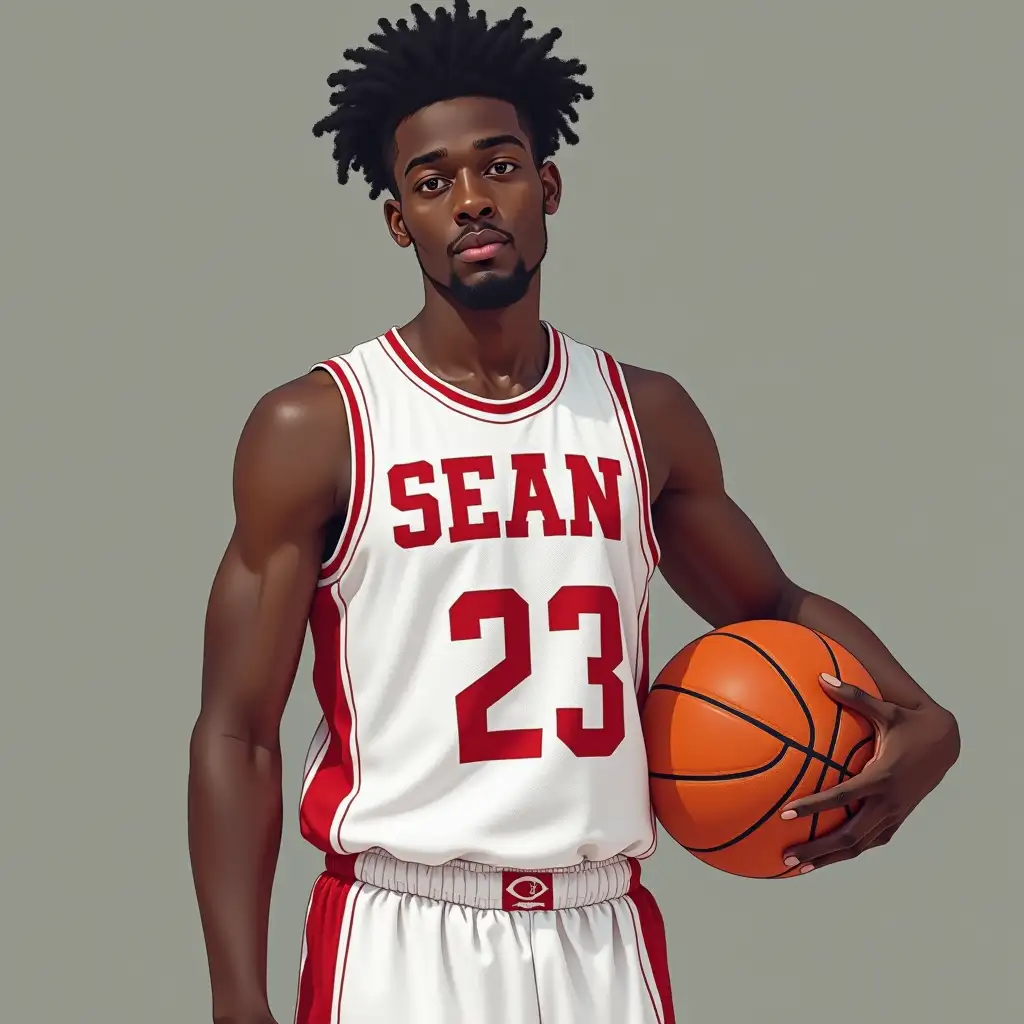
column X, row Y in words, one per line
column 809, row 212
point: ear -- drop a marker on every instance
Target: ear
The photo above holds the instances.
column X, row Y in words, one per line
column 551, row 183
column 396, row 223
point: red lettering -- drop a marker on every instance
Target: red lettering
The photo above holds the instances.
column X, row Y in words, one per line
column 565, row 610
column 595, row 495
column 588, row 494
column 463, row 498
column 477, row 741
column 425, row 504
column 532, row 494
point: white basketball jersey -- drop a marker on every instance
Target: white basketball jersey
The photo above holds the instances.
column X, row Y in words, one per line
column 480, row 631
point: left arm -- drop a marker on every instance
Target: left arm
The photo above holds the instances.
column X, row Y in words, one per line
column 715, row 559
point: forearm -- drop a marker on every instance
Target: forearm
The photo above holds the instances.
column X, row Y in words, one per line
column 234, row 824
column 835, row 621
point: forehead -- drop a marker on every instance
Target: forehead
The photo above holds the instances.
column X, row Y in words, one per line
column 454, row 125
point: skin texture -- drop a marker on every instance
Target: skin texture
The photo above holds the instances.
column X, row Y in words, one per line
column 290, row 478
column 291, row 483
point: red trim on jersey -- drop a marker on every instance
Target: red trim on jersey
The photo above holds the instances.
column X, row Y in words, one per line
column 462, row 411
column 651, row 934
column 326, row 943
column 369, row 460
column 360, row 440
column 333, row 779
column 613, row 381
column 621, row 394
column 502, row 407
column 643, row 683
column 643, row 687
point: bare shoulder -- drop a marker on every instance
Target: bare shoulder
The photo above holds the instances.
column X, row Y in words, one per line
column 655, row 395
column 296, row 413
column 678, row 443
column 293, row 453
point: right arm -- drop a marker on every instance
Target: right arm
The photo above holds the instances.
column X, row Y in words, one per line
column 290, row 481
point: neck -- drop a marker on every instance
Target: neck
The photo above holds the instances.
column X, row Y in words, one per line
column 504, row 348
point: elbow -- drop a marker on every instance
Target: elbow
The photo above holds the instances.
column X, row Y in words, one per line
column 223, row 760
column 206, row 738
column 788, row 600
column 216, row 728
column 954, row 737
column 947, row 734
column 209, row 726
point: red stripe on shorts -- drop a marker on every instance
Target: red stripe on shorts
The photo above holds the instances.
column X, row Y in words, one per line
column 652, row 933
column 326, row 950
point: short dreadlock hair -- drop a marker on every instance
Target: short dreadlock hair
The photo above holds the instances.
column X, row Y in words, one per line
column 451, row 55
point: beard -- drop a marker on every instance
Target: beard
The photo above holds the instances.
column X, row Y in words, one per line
column 491, row 290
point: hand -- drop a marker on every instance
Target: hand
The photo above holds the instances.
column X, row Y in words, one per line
column 914, row 748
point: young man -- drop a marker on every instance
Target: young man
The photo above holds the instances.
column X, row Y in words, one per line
column 468, row 512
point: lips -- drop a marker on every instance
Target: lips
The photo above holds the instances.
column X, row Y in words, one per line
column 479, row 245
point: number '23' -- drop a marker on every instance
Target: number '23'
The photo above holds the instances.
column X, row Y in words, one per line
column 564, row 612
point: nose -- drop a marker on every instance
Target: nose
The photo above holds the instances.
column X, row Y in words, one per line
column 472, row 202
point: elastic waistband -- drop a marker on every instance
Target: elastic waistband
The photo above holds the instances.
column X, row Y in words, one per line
column 490, row 888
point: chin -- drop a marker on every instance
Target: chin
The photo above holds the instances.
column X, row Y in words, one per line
column 482, row 301
column 485, row 277
column 487, row 288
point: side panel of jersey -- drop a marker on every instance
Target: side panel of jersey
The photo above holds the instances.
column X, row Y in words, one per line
column 480, row 633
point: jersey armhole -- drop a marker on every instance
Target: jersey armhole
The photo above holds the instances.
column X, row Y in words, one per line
column 615, row 381
column 361, row 473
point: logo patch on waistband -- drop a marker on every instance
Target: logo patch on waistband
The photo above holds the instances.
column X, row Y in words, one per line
column 527, row 892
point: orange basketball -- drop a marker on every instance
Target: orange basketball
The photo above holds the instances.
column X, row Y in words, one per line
column 737, row 725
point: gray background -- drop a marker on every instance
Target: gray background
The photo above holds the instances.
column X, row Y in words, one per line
column 815, row 222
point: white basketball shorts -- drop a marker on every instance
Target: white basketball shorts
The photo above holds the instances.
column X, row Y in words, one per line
column 388, row 942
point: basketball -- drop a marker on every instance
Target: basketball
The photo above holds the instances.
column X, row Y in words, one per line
column 737, row 725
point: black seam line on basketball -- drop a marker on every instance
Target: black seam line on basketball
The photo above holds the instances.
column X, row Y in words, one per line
column 835, row 734
column 726, row 776
column 809, row 754
column 808, row 751
column 824, row 770
column 844, row 769
column 764, row 817
column 845, row 772
column 785, row 678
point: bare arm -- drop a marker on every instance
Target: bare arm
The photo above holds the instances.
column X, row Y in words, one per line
column 712, row 554
column 715, row 559
column 289, row 481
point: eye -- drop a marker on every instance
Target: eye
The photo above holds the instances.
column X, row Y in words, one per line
column 425, row 184
column 508, row 164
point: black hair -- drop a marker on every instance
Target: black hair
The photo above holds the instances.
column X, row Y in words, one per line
column 451, row 55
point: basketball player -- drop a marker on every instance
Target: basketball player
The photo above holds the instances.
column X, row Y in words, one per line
column 468, row 511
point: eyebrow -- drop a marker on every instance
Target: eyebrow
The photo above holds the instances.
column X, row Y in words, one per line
column 490, row 142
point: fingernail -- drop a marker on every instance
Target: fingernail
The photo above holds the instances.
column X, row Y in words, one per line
column 788, row 815
column 806, row 868
column 830, row 679
column 791, row 862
